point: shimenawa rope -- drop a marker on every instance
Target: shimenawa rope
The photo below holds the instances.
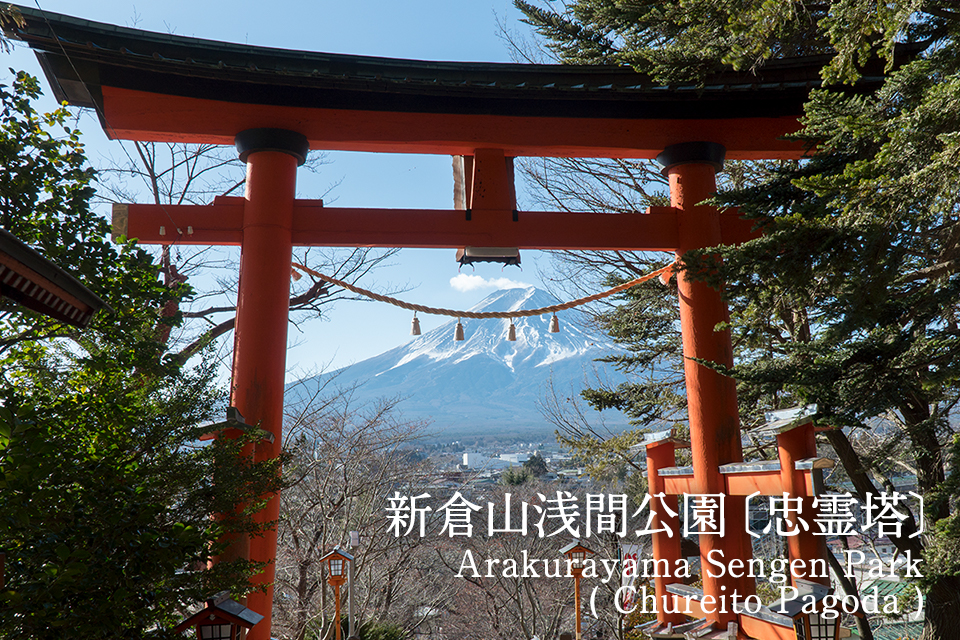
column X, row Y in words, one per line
column 523, row 313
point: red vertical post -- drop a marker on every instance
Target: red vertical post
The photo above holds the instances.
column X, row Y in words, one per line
column 665, row 547
column 711, row 397
column 260, row 336
column 336, row 618
column 576, row 597
column 794, row 445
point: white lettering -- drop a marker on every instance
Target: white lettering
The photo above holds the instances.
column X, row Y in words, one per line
column 468, row 560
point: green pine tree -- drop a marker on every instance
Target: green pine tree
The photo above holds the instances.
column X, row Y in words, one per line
column 850, row 299
column 107, row 499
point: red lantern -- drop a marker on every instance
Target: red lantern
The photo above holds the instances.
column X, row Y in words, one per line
column 337, row 568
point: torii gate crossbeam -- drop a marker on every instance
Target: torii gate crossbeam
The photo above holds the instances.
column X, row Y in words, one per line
column 314, row 225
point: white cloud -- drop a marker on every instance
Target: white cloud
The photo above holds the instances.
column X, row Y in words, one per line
column 463, row 282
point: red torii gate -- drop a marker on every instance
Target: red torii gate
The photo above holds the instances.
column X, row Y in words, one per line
column 796, row 473
column 275, row 105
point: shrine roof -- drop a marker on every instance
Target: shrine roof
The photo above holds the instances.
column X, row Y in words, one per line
column 29, row 279
column 89, row 64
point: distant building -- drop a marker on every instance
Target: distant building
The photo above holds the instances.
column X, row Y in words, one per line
column 474, row 460
column 477, row 461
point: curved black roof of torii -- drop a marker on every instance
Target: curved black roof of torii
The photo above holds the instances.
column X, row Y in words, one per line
column 206, row 68
column 81, row 57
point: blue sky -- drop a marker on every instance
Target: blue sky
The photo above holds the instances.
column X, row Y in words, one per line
column 464, row 30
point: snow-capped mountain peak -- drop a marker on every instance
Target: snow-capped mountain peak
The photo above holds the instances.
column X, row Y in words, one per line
column 484, row 379
column 535, row 345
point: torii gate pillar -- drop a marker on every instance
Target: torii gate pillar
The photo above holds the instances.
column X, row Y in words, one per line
column 711, row 397
column 260, row 335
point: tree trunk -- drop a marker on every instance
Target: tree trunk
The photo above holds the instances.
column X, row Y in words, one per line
column 302, row 601
column 926, row 450
column 864, row 486
column 943, row 610
column 851, row 589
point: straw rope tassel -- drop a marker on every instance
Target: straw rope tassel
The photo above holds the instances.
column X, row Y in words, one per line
column 664, row 273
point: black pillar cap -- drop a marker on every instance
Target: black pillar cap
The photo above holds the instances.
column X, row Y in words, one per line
column 291, row 142
column 693, row 152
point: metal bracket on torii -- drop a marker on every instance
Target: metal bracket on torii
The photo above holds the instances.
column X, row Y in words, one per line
column 235, row 425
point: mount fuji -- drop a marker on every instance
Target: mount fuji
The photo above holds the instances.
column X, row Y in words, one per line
column 483, row 385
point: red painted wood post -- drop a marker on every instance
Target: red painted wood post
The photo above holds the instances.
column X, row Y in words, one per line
column 711, row 397
column 576, row 598
column 260, row 337
column 794, row 445
column 665, row 547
